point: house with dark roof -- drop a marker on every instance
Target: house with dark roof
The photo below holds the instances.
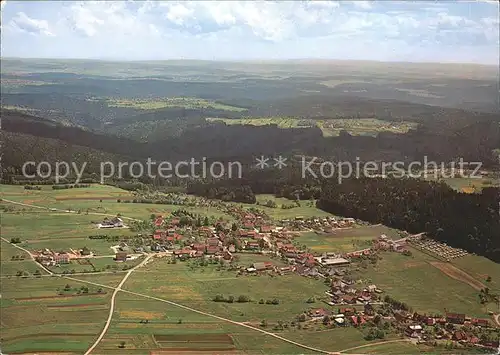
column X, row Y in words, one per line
column 121, row 256
column 260, row 266
column 455, row 318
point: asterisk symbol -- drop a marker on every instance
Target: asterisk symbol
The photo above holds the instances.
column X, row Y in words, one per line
column 280, row 162
column 262, row 162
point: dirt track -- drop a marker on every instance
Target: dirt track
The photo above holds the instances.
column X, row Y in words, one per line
column 93, row 198
column 458, row 274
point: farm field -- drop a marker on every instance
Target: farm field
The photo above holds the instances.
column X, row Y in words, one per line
column 345, row 240
column 329, row 127
column 480, row 268
column 164, row 102
column 468, row 185
column 47, row 194
column 100, row 199
column 305, row 210
column 94, row 264
column 168, row 325
column 44, row 314
column 201, row 284
column 423, row 286
column 9, row 266
column 401, row 347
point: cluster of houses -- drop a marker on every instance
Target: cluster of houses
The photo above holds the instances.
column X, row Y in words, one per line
column 451, row 327
column 325, row 224
column 387, row 244
column 115, row 222
column 49, row 257
column 441, row 249
column 343, row 292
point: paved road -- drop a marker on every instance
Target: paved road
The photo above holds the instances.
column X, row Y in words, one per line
column 496, row 317
column 112, row 308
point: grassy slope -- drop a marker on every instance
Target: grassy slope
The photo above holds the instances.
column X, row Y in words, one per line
column 412, row 280
column 422, row 286
column 305, row 210
column 346, row 240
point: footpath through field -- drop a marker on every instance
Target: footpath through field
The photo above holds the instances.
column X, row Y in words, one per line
column 67, row 211
column 117, row 289
column 112, row 307
column 50, row 273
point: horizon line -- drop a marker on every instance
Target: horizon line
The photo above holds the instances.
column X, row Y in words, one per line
column 228, row 60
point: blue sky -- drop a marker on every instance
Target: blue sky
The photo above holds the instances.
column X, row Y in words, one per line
column 431, row 31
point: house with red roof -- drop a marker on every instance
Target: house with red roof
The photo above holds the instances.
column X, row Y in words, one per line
column 252, row 246
column 480, row 322
column 318, row 312
column 248, row 225
column 158, row 234
column 265, row 229
column 213, row 241
column 357, row 320
column 211, row 250
column 430, row 321
column 184, row 252
column 175, row 221
column 61, row 258
column 158, row 221
column 347, row 311
column 199, row 247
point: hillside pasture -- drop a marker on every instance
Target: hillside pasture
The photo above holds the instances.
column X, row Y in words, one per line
column 306, row 209
column 413, row 280
column 36, row 319
column 96, row 201
column 330, row 127
column 200, row 285
column 164, row 102
column 345, row 240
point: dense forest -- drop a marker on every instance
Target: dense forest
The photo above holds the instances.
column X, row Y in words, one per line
column 76, row 111
column 468, row 221
column 474, row 142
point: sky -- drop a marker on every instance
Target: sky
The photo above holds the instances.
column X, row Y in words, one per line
column 427, row 31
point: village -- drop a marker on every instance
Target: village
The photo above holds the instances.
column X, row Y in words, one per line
column 347, row 302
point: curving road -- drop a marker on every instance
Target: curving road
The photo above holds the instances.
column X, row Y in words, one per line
column 50, row 273
column 118, row 289
column 112, row 307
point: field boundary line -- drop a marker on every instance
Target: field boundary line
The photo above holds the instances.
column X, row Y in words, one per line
column 375, row 344
column 31, row 256
column 112, row 307
column 205, row 314
column 66, row 211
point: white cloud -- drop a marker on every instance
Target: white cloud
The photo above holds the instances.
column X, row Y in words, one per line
column 364, row 5
column 115, row 18
column 235, row 27
column 324, row 4
column 24, row 23
column 178, row 14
